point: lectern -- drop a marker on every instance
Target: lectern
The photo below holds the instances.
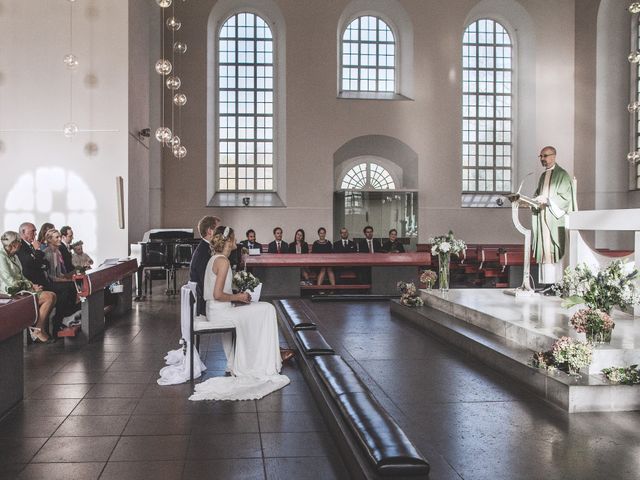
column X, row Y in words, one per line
column 522, row 201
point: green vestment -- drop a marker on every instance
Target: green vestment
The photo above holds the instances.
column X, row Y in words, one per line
column 561, row 200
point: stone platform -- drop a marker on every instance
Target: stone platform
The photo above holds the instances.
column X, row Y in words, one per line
column 503, row 331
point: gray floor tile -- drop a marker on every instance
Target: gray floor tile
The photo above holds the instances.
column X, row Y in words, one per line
column 221, row 423
column 306, row 444
column 156, row 470
column 291, row 422
column 159, row 425
column 304, row 468
column 138, row 448
column 92, row 425
column 228, row 469
column 105, row 406
column 62, row 471
column 116, row 390
column 60, row 391
column 226, row 445
column 74, row 449
column 19, row 450
column 19, row 424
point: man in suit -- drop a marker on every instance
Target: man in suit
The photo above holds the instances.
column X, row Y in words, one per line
column 368, row 244
column 278, row 245
column 34, row 267
column 250, row 242
column 200, row 258
column 66, row 233
column 344, row 245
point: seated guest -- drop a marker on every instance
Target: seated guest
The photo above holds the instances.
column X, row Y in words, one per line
column 11, row 274
column 278, row 245
column 300, row 246
column 322, row 245
column 200, row 258
column 79, row 259
column 344, row 245
column 41, row 234
column 368, row 244
column 393, row 245
column 250, row 242
column 34, row 268
column 56, row 271
column 66, row 233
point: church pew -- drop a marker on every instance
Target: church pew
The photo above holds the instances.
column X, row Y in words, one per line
column 91, row 288
column 15, row 316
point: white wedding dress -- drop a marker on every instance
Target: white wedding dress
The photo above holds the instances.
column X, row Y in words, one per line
column 256, row 365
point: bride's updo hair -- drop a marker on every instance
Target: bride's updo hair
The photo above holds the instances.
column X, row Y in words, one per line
column 220, row 236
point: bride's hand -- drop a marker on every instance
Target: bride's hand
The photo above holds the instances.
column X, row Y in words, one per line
column 244, row 297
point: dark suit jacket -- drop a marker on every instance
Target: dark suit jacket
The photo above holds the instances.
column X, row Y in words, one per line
column 245, row 244
column 198, row 268
column 363, row 247
column 34, row 265
column 66, row 257
column 339, row 248
column 284, row 247
column 304, row 248
column 396, row 246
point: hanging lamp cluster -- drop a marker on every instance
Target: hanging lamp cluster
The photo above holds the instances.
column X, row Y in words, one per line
column 634, row 107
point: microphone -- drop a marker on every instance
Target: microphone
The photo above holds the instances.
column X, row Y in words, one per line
column 522, row 182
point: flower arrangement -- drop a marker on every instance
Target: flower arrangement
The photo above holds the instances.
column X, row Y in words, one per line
column 443, row 246
column 595, row 323
column 409, row 295
column 20, row 286
column 447, row 244
column 624, row 375
column 566, row 354
column 428, row 277
column 612, row 286
column 243, row 281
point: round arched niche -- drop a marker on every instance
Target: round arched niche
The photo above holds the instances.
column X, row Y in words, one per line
column 396, row 156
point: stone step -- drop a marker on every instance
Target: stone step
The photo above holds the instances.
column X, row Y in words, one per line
column 588, row 393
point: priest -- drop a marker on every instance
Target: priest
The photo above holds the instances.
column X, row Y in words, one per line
column 556, row 196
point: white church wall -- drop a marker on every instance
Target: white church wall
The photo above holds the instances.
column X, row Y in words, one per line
column 318, row 123
column 45, row 176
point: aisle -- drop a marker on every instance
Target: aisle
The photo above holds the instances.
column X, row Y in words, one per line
column 97, row 412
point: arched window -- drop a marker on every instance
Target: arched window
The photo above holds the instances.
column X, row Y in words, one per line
column 245, row 105
column 368, row 56
column 368, row 176
column 487, row 108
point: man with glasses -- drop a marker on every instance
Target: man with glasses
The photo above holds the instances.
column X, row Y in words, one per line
column 556, row 196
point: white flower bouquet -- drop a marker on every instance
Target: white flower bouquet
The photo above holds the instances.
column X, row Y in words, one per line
column 447, row 244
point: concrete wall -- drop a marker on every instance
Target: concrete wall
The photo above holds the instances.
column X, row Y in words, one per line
column 318, row 123
column 45, row 176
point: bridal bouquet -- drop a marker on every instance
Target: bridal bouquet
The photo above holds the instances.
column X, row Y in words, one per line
column 409, row 295
column 243, row 281
column 612, row 286
column 20, row 286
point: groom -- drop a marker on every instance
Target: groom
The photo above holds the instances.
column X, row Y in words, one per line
column 200, row 258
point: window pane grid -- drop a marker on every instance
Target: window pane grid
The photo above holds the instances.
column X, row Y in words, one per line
column 368, row 175
column 245, row 105
column 487, row 115
column 368, row 56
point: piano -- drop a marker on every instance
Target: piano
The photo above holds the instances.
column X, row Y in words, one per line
column 163, row 248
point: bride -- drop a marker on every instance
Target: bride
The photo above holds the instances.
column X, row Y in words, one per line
column 255, row 367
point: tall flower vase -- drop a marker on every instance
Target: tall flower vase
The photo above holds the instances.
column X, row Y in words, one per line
column 443, row 271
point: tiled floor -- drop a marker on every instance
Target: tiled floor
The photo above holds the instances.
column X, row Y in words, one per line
column 469, row 421
column 96, row 412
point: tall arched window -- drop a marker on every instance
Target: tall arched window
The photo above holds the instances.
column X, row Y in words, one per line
column 487, row 108
column 245, row 154
column 368, row 56
column 368, row 176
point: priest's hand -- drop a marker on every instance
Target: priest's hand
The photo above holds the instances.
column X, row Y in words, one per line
column 542, row 200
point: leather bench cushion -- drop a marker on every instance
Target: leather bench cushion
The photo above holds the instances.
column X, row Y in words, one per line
column 313, row 343
column 388, row 448
column 296, row 316
column 338, row 376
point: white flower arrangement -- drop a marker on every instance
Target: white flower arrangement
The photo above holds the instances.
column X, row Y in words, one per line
column 447, row 244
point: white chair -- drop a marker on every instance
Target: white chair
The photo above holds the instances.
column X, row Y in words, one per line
column 196, row 333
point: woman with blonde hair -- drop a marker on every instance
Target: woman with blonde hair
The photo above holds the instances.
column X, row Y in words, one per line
column 255, row 365
column 11, row 275
column 57, row 271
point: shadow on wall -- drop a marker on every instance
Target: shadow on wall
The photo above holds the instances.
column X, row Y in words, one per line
column 56, row 195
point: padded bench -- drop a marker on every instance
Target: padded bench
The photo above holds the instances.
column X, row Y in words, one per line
column 296, row 315
column 313, row 343
column 386, row 445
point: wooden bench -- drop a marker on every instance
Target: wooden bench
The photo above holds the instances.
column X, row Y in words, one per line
column 16, row 315
column 91, row 288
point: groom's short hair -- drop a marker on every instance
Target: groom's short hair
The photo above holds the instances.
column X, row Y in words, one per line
column 207, row 222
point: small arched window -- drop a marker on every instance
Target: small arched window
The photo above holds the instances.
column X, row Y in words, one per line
column 368, row 56
column 245, row 105
column 368, row 176
column 487, row 108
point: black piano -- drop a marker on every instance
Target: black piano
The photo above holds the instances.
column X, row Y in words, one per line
column 166, row 250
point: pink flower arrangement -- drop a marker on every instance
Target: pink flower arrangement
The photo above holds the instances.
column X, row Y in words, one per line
column 591, row 320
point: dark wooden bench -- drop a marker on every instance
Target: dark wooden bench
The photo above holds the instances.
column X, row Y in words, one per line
column 15, row 316
column 91, row 286
column 386, row 448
